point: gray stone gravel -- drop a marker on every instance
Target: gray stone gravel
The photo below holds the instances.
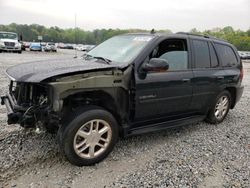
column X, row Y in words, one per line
column 199, row 155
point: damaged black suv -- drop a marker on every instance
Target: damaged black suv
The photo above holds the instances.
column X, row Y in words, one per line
column 127, row 85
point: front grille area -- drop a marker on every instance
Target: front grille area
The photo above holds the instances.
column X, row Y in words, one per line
column 9, row 44
column 27, row 94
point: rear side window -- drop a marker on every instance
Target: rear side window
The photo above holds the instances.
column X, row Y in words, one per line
column 214, row 59
column 201, row 54
column 226, row 55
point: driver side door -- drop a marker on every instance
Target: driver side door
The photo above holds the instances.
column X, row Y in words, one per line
column 162, row 96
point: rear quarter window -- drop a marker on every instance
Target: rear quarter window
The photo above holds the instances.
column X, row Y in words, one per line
column 226, row 55
column 201, row 54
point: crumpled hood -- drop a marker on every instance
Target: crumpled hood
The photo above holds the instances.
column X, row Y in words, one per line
column 41, row 70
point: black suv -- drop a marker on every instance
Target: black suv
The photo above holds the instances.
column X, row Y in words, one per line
column 127, row 85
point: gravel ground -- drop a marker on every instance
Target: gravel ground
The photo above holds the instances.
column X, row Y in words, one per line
column 198, row 155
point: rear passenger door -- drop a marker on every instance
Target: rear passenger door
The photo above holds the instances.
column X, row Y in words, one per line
column 208, row 76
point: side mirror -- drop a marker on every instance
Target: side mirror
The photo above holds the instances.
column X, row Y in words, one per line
column 156, row 65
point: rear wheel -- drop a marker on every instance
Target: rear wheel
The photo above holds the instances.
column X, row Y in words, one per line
column 220, row 108
column 88, row 135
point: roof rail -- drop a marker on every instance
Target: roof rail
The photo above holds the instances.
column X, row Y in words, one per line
column 198, row 35
column 201, row 35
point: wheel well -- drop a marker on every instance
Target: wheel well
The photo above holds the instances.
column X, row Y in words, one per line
column 232, row 91
column 98, row 98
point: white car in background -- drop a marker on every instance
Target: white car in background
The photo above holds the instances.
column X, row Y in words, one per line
column 244, row 54
column 9, row 42
column 50, row 47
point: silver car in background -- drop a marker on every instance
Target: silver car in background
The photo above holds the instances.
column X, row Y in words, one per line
column 50, row 47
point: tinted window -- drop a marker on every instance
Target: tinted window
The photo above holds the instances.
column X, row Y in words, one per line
column 174, row 51
column 201, row 53
column 226, row 55
column 214, row 59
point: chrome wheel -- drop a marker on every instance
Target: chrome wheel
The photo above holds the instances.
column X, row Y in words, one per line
column 221, row 107
column 92, row 138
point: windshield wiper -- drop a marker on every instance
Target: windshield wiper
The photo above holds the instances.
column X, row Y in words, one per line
column 86, row 56
column 104, row 59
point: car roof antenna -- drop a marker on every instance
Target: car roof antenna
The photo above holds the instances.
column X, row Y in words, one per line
column 75, row 38
column 152, row 31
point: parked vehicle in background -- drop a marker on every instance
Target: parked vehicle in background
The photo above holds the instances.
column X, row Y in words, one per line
column 43, row 44
column 84, row 48
column 9, row 42
column 22, row 46
column 90, row 47
column 35, row 47
column 50, row 47
column 69, row 46
column 25, row 45
column 128, row 85
column 60, row 45
column 244, row 54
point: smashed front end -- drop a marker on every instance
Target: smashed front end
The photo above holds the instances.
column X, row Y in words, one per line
column 27, row 103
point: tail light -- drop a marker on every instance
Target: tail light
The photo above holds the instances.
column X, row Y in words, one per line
column 241, row 73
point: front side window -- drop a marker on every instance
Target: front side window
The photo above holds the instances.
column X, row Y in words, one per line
column 121, row 49
column 174, row 51
column 226, row 55
column 201, row 54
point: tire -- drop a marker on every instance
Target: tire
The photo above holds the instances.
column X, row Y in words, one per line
column 20, row 51
column 223, row 109
column 80, row 122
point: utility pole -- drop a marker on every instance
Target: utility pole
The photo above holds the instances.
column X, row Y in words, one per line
column 75, row 38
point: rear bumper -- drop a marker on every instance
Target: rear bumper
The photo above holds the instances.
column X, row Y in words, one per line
column 239, row 92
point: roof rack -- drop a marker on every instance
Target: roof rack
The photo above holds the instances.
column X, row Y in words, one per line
column 198, row 35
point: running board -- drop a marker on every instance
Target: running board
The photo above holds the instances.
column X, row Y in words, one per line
column 165, row 125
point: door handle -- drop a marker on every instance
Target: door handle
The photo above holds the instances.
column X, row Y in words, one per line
column 220, row 77
column 185, row 80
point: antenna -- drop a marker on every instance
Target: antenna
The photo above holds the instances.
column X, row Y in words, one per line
column 152, row 31
column 75, row 38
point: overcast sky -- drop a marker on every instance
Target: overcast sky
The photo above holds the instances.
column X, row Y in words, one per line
column 177, row 15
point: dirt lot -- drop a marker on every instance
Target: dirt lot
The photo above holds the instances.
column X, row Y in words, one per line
column 198, row 155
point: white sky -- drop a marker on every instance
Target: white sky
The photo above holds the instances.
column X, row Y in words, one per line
column 177, row 15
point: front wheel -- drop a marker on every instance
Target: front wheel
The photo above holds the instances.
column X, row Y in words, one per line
column 88, row 135
column 220, row 109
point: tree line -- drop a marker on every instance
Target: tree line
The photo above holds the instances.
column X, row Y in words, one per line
column 241, row 39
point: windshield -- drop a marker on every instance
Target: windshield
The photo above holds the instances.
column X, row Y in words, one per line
column 123, row 48
column 35, row 44
column 8, row 36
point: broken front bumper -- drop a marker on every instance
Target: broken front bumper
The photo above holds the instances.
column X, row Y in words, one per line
column 14, row 112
